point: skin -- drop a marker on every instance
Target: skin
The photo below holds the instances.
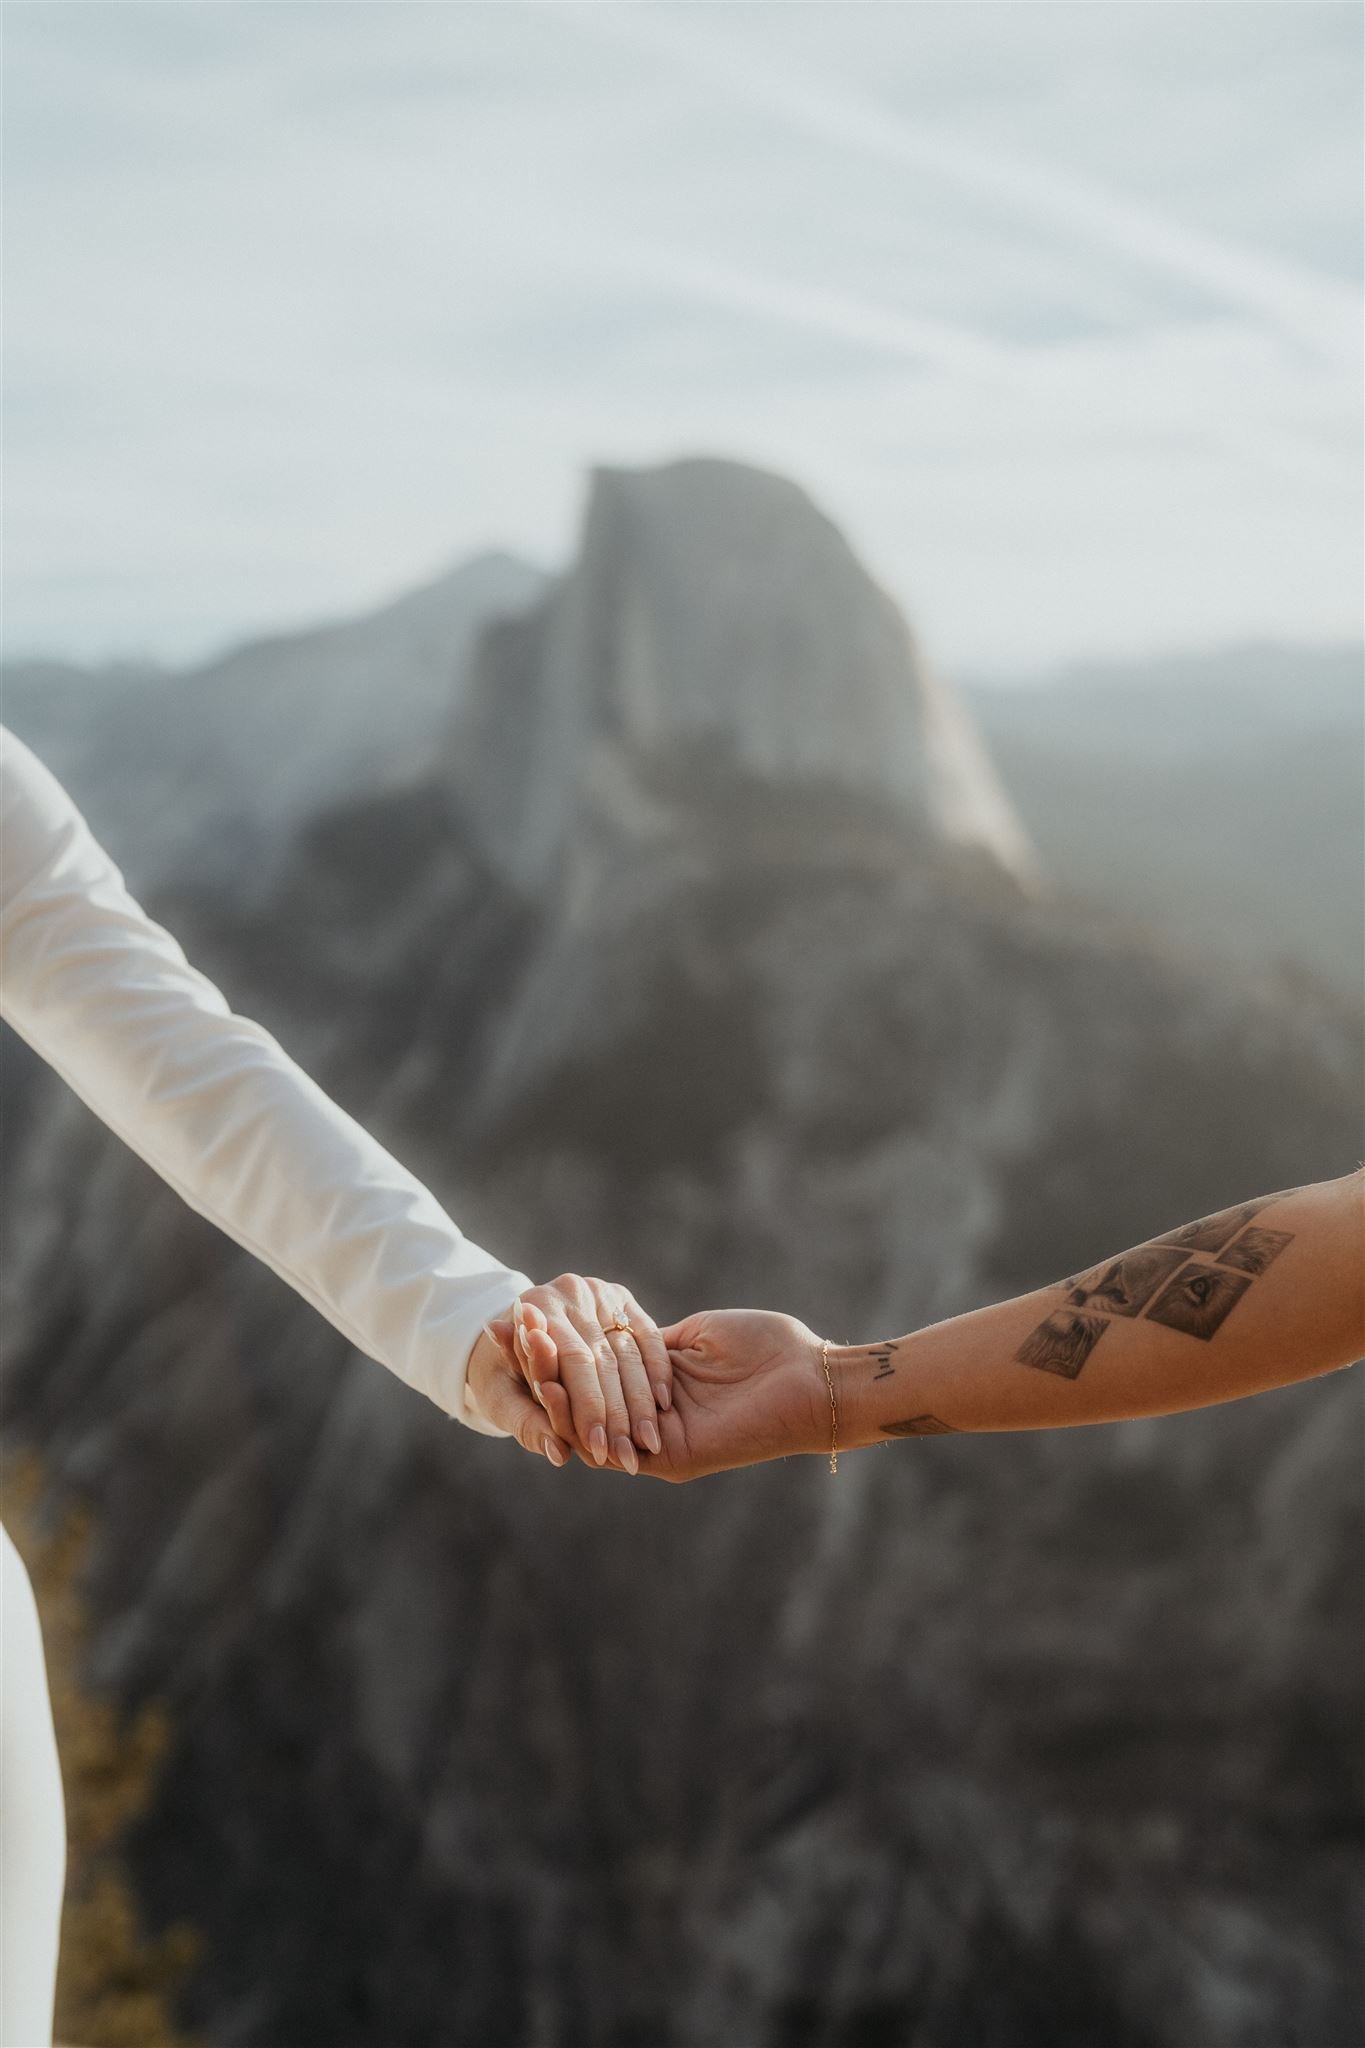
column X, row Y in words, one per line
column 611, row 1385
column 1260, row 1296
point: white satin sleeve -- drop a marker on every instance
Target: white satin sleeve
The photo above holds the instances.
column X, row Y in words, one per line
column 212, row 1102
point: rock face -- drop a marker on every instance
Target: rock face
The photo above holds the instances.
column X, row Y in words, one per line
column 1009, row 1740
column 714, row 624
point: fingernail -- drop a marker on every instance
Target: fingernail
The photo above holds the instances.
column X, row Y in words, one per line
column 535, row 1389
column 553, row 1452
column 597, row 1444
column 625, row 1455
column 651, row 1437
column 663, row 1396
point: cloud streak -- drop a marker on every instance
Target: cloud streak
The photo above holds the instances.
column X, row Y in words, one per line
column 314, row 298
column 1313, row 312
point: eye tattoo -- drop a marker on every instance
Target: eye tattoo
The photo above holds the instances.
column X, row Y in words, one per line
column 1160, row 1281
column 1198, row 1300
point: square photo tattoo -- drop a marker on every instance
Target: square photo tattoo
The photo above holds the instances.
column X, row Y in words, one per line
column 1254, row 1250
column 1198, row 1300
column 1126, row 1285
column 1062, row 1343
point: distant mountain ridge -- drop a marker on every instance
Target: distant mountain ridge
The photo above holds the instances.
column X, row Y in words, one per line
column 206, row 773
column 1217, row 798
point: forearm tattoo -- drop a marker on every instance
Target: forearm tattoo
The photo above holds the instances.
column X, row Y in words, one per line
column 1163, row 1283
column 1062, row 1343
column 1189, row 1280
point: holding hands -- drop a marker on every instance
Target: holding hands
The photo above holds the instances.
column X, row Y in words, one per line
column 723, row 1388
column 1265, row 1293
column 577, row 1366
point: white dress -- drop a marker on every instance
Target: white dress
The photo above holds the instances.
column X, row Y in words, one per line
column 220, row 1111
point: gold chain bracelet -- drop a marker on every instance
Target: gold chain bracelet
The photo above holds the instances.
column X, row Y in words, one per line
column 833, row 1409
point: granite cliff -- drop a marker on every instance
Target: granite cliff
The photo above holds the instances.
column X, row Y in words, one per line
column 667, row 965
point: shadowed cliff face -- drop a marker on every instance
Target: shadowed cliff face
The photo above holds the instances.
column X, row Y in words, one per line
column 1012, row 1741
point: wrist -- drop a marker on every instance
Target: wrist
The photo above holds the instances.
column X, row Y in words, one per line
column 865, row 1379
column 486, row 1360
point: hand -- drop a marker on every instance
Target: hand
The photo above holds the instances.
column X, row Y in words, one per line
column 495, row 1385
column 596, row 1380
column 748, row 1385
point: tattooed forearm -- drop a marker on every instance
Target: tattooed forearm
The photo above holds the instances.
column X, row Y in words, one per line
column 1161, row 1282
column 1284, row 1274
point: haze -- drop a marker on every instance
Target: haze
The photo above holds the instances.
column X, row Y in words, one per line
column 1055, row 308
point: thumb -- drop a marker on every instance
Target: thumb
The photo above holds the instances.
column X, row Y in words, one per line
column 508, row 1405
column 683, row 1336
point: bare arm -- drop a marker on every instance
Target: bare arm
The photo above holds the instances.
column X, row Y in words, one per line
column 1259, row 1296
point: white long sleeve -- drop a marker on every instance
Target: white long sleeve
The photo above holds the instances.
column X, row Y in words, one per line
column 211, row 1101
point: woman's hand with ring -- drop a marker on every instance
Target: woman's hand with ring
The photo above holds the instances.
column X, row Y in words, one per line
column 596, row 1363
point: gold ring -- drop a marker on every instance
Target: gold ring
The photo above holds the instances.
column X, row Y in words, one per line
column 620, row 1322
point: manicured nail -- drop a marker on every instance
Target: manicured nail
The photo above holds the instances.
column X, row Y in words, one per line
column 597, row 1444
column 651, row 1437
column 553, row 1452
column 535, row 1389
column 663, row 1396
column 625, row 1455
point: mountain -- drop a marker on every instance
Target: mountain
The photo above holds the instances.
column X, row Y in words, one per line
column 203, row 774
column 714, row 618
column 992, row 1740
column 1219, row 799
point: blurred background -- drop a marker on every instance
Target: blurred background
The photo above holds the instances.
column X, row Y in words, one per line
column 743, row 625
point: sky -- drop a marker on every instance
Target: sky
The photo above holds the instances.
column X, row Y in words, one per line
column 1054, row 305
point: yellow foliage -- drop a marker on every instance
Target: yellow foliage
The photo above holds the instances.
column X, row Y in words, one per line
column 116, row 1985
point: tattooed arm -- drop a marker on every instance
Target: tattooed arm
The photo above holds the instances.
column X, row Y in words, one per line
column 1266, row 1293
column 1259, row 1296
